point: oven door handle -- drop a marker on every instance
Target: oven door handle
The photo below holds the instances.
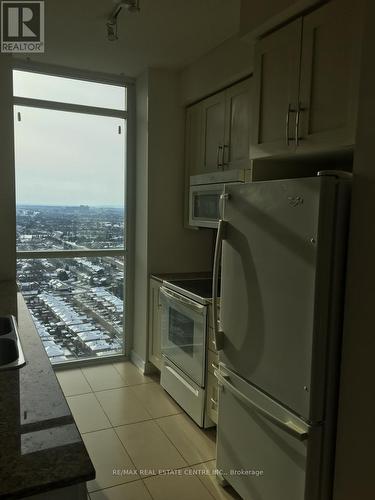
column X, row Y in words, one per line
column 179, row 298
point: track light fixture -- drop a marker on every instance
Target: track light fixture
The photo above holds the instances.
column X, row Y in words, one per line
column 130, row 6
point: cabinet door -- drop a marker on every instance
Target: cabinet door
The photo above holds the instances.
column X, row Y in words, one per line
column 330, row 75
column 276, row 81
column 193, row 138
column 213, row 124
column 154, row 347
column 237, row 126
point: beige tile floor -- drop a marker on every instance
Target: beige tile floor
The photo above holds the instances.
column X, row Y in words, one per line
column 134, row 432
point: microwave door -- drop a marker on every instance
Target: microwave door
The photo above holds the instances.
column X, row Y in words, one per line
column 204, row 205
column 183, row 333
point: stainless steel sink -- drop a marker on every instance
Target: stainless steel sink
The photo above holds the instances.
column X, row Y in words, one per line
column 5, row 325
column 11, row 354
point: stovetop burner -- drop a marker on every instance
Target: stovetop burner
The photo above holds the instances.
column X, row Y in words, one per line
column 200, row 287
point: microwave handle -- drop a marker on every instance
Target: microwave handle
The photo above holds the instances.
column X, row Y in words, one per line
column 218, row 333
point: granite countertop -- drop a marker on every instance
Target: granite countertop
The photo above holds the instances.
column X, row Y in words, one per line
column 41, row 448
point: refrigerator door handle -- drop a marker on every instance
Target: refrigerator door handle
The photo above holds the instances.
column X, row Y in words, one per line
column 218, row 333
column 289, row 426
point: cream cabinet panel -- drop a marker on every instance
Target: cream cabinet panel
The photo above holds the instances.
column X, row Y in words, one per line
column 212, row 394
column 154, row 341
column 213, row 125
column 193, row 138
column 331, row 46
column 237, row 126
column 212, row 360
column 276, row 81
column 218, row 131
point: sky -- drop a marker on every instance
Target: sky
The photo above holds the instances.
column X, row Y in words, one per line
column 65, row 158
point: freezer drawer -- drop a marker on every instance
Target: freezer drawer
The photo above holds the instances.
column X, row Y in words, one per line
column 264, row 451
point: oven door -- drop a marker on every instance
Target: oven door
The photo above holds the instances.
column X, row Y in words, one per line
column 183, row 333
column 204, row 205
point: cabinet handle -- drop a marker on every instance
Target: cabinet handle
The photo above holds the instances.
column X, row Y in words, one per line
column 214, row 403
column 219, row 162
column 287, row 120
column 297, row 138
column 227, row 149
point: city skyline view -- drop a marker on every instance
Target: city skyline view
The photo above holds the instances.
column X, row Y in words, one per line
column 76, row 302
column 70, row 193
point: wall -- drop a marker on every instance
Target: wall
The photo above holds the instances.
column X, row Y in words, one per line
column 7, row 189
column 354, row 476
column 233, row 59
column 172, row 248
column 141, row 268
column 224, row 65
column 255, row 13
column 163, row 245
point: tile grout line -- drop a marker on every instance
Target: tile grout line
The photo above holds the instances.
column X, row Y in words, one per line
column 114, row 486
column 140, row 383
column 107, row 428
column 106, row 414
column 153, row 419
column 147, row 488
column 182, row 468
column 117, row 436
column 157, row 423
column 192, row 465
column 87, row 380
column 164, row 416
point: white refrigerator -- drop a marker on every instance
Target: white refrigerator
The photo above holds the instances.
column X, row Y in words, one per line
column 281, row 246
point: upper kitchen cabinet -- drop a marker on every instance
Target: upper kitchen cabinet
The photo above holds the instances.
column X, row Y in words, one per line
column 306, row 83
column 237, row 126
column 218, row 131
column 276, row 82
column 330, row 57
column 213, row 127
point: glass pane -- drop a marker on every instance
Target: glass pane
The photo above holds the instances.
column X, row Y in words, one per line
column 181, row 331
column 76, row 304
column 69, row 180
column 69, row 90
column 206, row 205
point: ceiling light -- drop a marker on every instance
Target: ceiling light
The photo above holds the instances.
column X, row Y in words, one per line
column 130, row 6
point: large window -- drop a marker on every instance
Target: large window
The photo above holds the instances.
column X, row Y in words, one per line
column 70, row 153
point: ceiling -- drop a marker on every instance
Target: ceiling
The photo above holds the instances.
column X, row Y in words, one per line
column 164, row 34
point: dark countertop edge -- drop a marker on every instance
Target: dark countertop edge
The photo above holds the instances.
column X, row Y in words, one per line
column 18, row 305
column 69, row 481
column 36, row 490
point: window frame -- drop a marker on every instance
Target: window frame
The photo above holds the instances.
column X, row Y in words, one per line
column 129, row 183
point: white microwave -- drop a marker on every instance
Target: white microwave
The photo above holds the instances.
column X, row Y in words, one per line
column 204, row 195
